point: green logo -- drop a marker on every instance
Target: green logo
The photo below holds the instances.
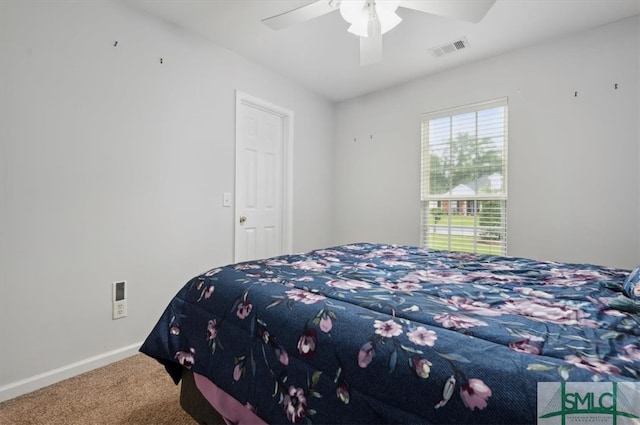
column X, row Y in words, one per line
column 588, row 402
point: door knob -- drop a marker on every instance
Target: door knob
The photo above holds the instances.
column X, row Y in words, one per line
column 242, row 219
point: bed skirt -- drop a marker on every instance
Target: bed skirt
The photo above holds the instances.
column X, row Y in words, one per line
column 195, row 404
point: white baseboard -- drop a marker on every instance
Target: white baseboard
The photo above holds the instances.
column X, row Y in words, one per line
column 41, row 380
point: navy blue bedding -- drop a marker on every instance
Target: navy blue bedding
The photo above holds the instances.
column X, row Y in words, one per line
column 371, row 333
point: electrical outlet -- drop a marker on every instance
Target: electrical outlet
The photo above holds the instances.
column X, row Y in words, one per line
column 119, row 309
column 119, row 299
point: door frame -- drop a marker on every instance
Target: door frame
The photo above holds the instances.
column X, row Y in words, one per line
column 287, row 166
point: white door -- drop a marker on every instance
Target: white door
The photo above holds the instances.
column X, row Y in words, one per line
column 263, row 179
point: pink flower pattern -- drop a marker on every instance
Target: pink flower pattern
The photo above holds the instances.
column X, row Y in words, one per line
column 348, row 284
column 244, row 309
column 387, row 328
column 525, row 346
column 365, row 355
column 326, row 324
column 307, row 344
column 593, row 364
column 422, row 367
column 295, row 404
column 342, row 392
column 212, row 330
column 548, row 311
column 471, row 306
column 632, row 353
column 475, row 394
column 422, row 336
column 186, row 358
column 458, row 321
column 401, row 286
column 305, row 297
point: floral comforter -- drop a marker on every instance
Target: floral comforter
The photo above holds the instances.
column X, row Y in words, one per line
column 371, row 333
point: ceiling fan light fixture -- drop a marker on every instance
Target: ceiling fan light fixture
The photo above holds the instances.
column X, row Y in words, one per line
column 359, row 13
column 386, row 11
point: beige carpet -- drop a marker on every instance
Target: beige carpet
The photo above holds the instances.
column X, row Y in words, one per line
column 133, row 391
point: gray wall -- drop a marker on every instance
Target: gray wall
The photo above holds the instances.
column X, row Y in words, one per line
column 113, row 167
column 574, row 170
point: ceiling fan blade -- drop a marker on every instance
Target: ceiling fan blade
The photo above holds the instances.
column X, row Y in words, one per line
column 370, row 49
column 299, row 15
column 464, row 10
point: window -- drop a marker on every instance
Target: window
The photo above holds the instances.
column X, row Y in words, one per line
column 464, row 178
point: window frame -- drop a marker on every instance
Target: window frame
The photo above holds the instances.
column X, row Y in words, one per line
column 429, row 220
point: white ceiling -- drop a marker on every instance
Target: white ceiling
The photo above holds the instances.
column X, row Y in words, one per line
column 320, row 54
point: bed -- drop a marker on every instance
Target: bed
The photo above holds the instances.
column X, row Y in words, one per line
column 377, row 333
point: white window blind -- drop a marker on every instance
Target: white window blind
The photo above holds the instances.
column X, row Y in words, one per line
column 464, row 178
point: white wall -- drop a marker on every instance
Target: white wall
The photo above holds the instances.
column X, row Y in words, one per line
column 113, row 167
column 574, row 169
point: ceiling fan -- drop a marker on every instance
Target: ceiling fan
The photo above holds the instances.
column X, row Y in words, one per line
column 370, row 19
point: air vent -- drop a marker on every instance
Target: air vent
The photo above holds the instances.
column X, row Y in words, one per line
column 451, row 47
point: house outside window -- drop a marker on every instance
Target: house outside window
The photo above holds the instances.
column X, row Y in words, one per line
column 464, row 178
